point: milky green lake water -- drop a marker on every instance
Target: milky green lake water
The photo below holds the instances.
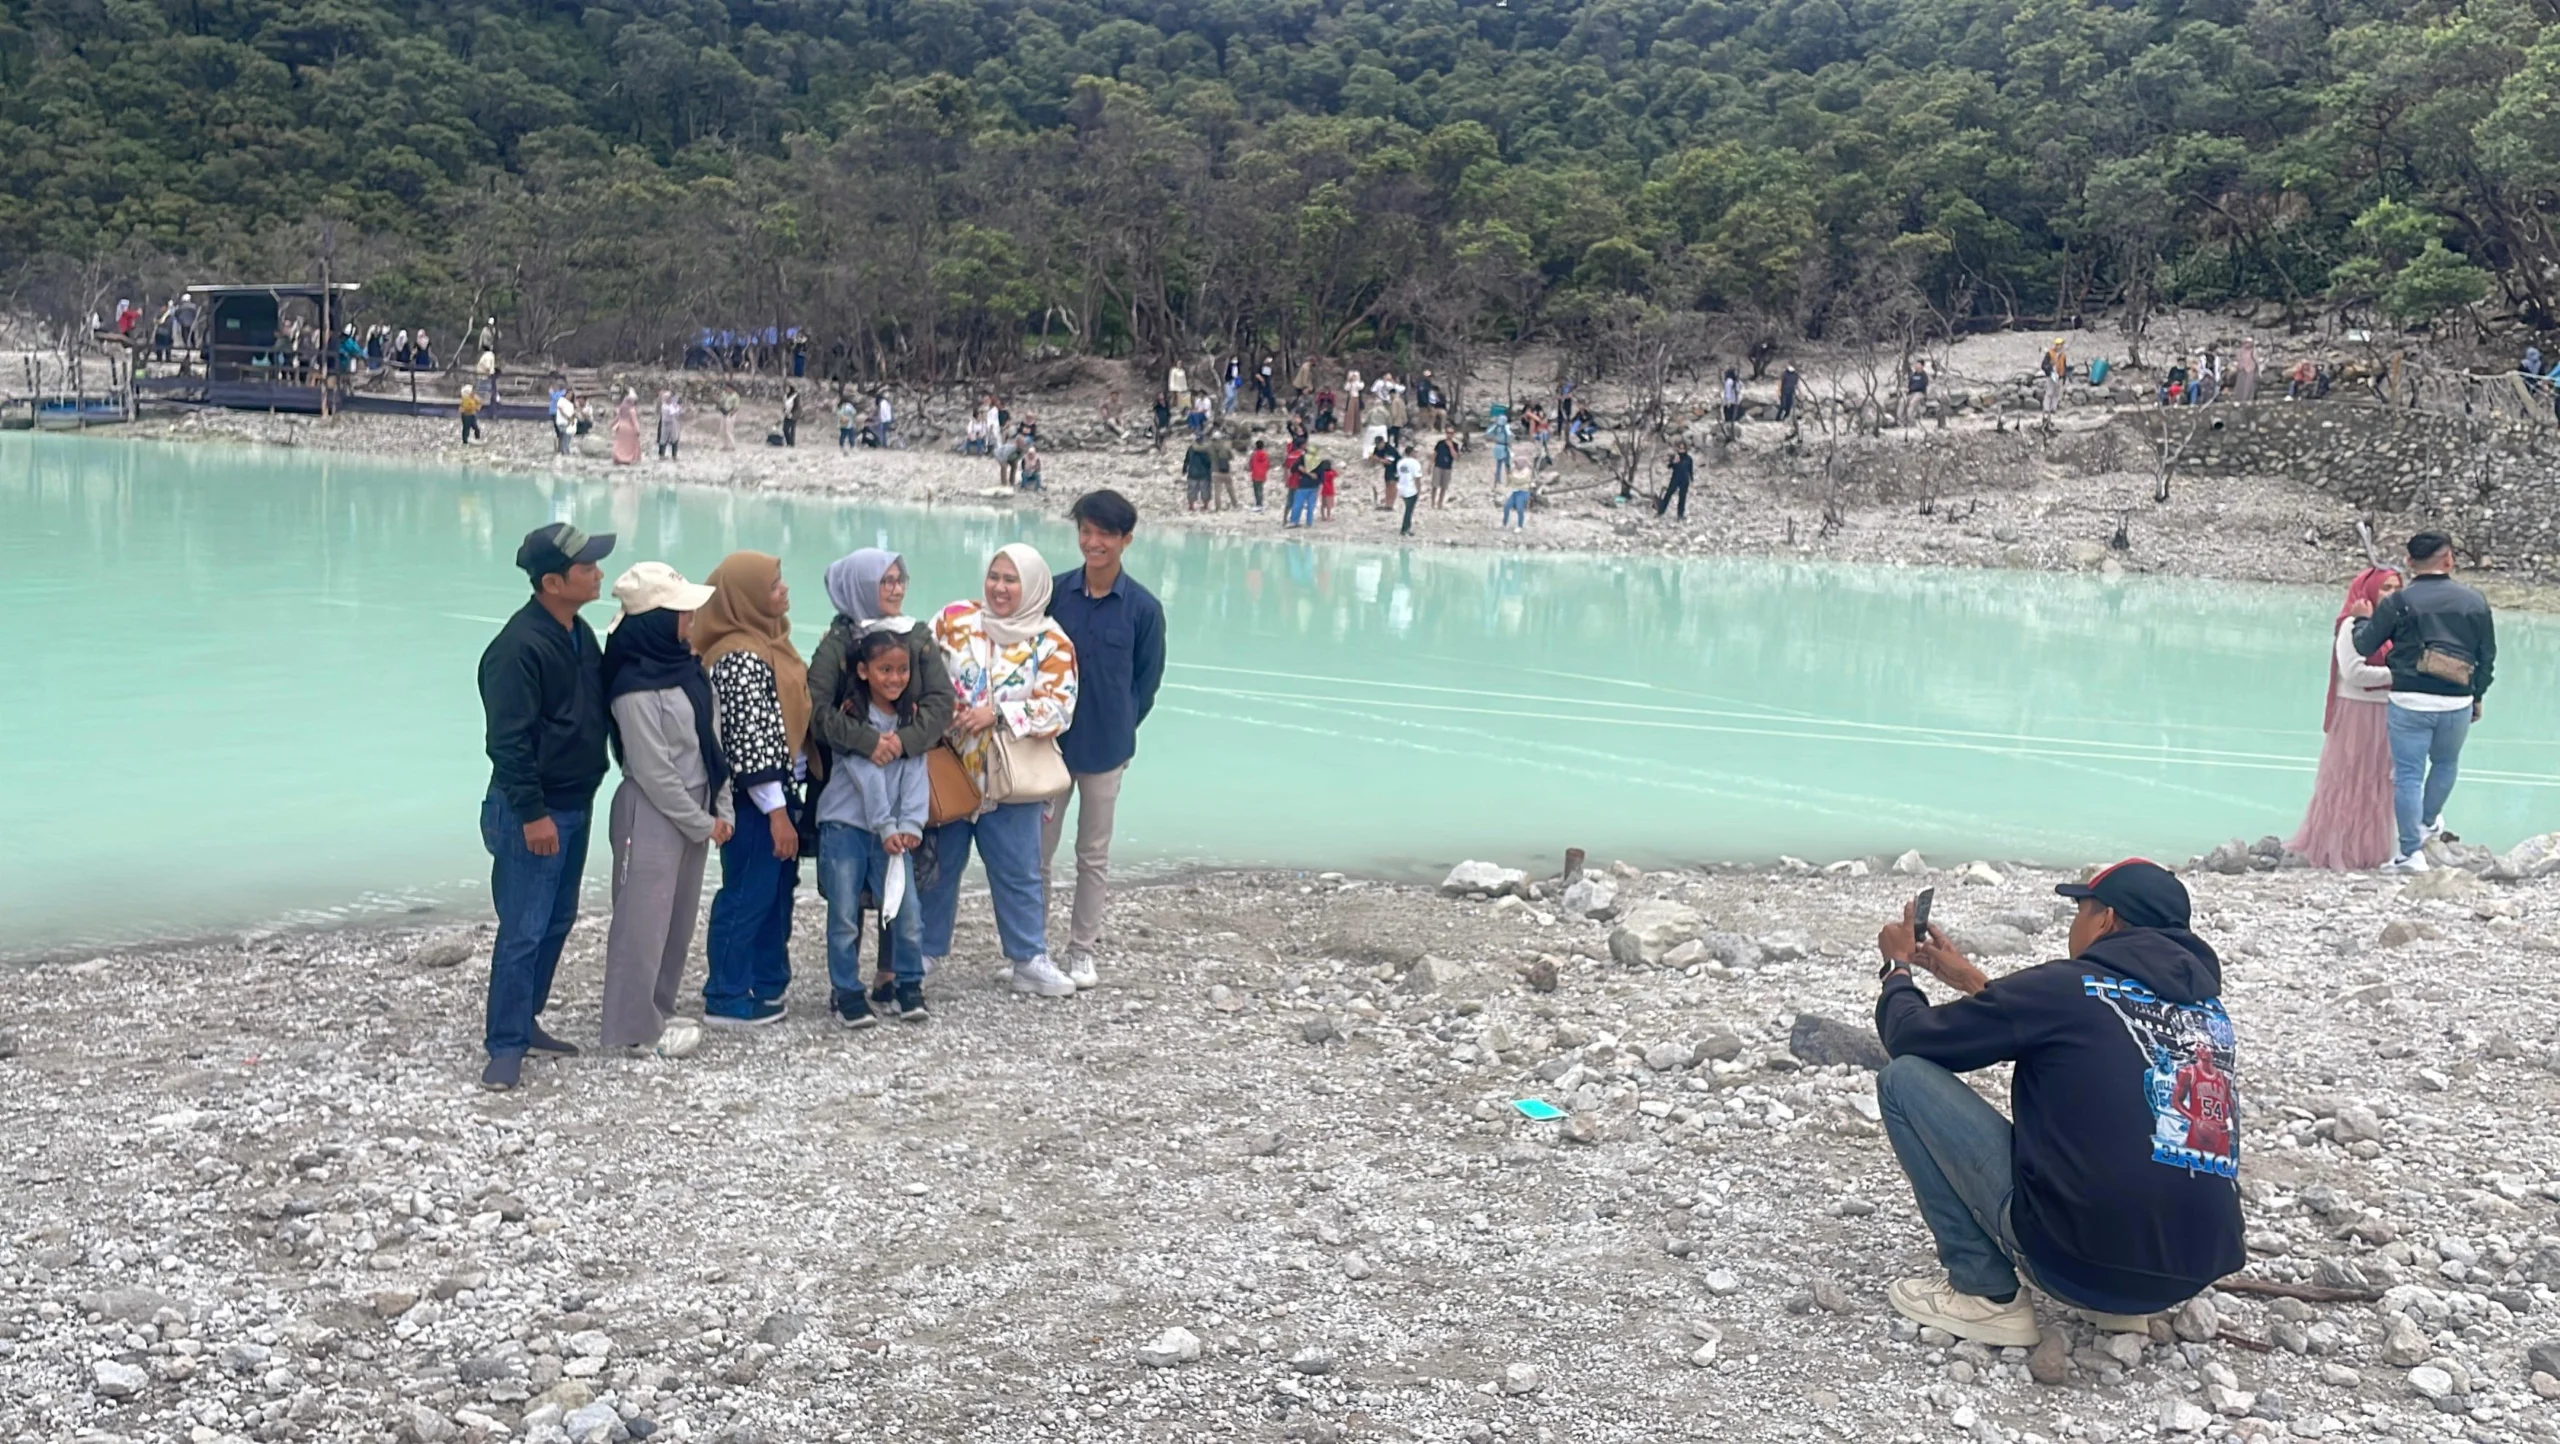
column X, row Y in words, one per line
column 241, row 693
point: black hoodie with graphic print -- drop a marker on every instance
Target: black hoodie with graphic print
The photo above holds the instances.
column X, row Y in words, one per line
column 2125, row 1122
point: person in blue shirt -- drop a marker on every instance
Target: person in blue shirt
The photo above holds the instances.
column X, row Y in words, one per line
column 1118, row 630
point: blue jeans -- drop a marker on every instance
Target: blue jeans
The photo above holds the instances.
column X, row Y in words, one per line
column 1008, row 841
column 537, row 900
column 1516, row 505
column 1954, row 1147
column 2426, row 752
column 1502, row 466
column 747, row 948
column 1302, row 507
column 851, row 861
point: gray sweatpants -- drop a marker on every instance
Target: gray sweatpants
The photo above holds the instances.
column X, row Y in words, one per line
column 1097, row 799
column 657, row 894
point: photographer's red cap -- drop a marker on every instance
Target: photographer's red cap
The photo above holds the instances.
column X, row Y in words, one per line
column 2143, row 893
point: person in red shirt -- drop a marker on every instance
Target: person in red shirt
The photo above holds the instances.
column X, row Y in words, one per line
column 2203, row 1097
column 1257, row 469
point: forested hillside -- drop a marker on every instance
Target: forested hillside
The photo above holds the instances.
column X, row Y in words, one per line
column 938, row 185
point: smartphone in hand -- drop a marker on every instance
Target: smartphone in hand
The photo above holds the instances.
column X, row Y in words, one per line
column 1920, row 915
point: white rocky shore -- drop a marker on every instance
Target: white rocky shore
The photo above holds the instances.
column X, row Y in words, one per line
column 1266, row 1184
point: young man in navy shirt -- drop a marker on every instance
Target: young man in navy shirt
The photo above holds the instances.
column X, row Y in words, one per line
column 1118, row 628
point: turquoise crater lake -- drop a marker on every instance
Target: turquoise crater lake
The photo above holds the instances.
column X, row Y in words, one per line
column 243, row 692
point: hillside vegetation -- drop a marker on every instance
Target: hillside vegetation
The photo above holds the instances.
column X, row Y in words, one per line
column 936, row 186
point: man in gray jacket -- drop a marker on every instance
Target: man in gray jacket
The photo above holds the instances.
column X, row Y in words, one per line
column 2444, row 652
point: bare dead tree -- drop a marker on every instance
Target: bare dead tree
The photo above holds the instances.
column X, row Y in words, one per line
column 2172, row 431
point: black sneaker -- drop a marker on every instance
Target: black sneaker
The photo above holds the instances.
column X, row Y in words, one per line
column 505, row 1071
column 545, row 1043
column 854, row 1010
column 884, row 991
column 911, row 1008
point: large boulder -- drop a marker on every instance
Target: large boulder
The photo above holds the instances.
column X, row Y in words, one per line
column 2531, row 858
column 1819, row 1042
column 1650, row 930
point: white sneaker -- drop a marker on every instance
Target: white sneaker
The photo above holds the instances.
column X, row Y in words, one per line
column 1080, row 968
column 2115, row 1323
column 1041, row 976
column 2413, row 864
column 1935, row 1301
column 2430, row 831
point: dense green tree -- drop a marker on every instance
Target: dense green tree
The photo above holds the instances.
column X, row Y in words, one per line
column 938, row 186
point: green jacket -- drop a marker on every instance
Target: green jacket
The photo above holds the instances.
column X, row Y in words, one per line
column 831, row 682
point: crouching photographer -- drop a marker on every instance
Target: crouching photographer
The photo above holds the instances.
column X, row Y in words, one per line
column 2115, row 1189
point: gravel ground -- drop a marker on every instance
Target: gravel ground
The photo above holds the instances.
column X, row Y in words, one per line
column 255, row 1194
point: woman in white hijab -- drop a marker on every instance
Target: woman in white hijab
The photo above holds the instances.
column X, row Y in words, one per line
column 1013, row 682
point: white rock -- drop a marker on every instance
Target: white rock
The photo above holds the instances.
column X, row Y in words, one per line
column 589, row 1343
column 1432, row 974
column 1722, row 1283
column 1484, row 877
column 1980, row 874
column 2430, row 1383
column 590, row 1424
column 2196, row 1322
column 1704, row 1355
column 119, row 1381
column 1910, row 864
column 2179, row 1416
column 1522, row 1379
column 1645, row 936
column 1174, row 1346
column 1846, row 867
column 1590, row 895
column 1355, row 1267
column 2402, row 1344
column 2229, row 1402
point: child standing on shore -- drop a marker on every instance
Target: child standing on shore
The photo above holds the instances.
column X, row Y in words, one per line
column 871, row 818
column 1257, row 469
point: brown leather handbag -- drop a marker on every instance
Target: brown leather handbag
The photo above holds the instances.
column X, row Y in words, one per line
column 955, row 796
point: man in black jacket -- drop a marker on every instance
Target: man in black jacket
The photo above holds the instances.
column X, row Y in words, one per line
column 2444, row 650
column 2115, row 1191
column 542, row 688
column 1683, row 470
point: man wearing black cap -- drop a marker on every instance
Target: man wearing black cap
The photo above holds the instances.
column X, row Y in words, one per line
column 542, row 687
column 2115, row 1191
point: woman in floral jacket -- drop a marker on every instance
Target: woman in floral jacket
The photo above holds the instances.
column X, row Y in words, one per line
column 1011, row 668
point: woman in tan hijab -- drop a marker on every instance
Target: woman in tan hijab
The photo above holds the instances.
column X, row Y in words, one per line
column 760, row 708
